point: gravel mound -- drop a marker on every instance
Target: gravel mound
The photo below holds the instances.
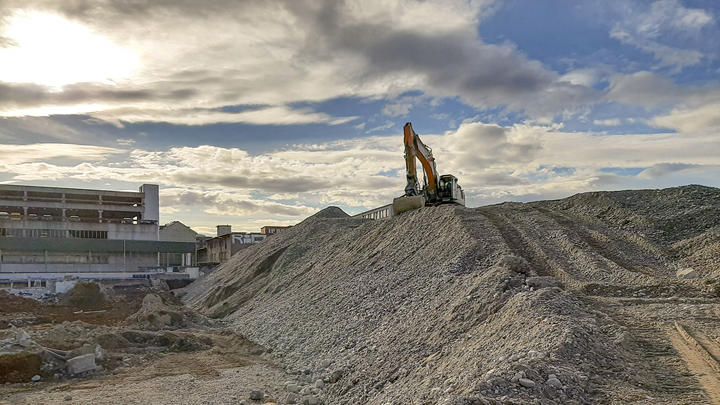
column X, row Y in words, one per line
column 331, row 212
column 513, row 303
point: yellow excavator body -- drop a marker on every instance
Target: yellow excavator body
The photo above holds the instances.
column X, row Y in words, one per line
column 437, row 189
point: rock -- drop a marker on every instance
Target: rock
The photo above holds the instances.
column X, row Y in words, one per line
column 256, row 395
column 527, row 383
column 81, row 364
column 292, row 398
column 517, row 376
column 335, row 376
column 36, row 378
column 294, row 388
column 319, row 384
column 686, row 273
column 554, row 382
column 311, row 400
column 100, row 353
column 22, row 338
column 325, row 363
column 542, row 282
column 68, row 398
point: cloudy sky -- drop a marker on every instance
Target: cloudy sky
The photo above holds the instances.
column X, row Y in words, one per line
column 262, row 112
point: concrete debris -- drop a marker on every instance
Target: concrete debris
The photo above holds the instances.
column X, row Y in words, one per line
column 81, row 364
column 527, row 383
column 256, row 395
column 535, row 290
column 311, row 400
column 687, row 273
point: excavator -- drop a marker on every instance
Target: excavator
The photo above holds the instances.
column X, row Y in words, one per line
column 436, row 189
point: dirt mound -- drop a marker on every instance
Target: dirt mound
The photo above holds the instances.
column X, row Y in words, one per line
column 160, row 311
column 666, row 215
column 512, row 303
column 331, row 212
column 682, row 224
column 87, row 296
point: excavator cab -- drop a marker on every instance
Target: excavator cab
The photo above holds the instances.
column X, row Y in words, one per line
column 449, row 191
column 436, row 189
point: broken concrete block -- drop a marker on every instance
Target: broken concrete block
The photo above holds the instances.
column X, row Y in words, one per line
column 686, row 273
column 81, row 364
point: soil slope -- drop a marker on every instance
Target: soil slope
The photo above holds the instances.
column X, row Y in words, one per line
column 567, row 301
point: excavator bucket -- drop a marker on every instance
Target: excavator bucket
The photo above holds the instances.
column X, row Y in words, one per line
column 405, row 203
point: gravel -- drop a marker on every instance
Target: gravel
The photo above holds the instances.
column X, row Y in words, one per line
column 552, row 302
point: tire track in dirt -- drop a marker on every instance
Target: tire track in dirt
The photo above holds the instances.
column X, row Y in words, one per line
column 647, row 265
column 515, row 241
column 700, row 355
column 661, row 365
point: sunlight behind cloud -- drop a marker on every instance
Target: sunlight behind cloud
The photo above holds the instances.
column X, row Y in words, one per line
column 50, row 50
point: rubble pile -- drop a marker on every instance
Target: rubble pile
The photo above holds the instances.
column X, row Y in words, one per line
column 161, row 311
column 74, row 349
column 513, row 303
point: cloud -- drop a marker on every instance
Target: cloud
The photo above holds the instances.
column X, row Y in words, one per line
column 398, row 108
column 609, row 122
column 664, row 169
column 21, row 154
column 653, row 27
column 689, row 110
column 282, row 52
column 228, row 204
column 667, row 55
column 280, row 115
column 645, row 89
column 702, row 120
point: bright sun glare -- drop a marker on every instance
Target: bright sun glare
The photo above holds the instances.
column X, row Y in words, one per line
column 50, row 50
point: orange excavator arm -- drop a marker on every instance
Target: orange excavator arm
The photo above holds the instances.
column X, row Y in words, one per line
column 415, row 148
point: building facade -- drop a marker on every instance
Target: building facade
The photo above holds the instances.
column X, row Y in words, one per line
column 272, row 230
column 52, row 233
column 217, row 250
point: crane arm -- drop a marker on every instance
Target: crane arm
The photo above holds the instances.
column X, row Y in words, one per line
column 415, row 148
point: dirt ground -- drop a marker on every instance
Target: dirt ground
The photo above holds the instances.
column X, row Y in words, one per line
column 222, row 375
column 21, row 311
column 155, row 352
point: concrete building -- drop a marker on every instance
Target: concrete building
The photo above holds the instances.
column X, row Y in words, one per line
column 176, row 231
column 51, row 233
column 217, row 250
column 271, row 230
